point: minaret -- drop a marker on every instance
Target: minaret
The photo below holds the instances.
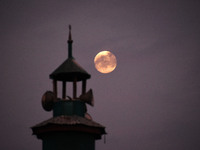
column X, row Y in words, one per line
column 71, row 127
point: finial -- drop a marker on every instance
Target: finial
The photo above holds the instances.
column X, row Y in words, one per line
column 70, row 36
column 70, row 41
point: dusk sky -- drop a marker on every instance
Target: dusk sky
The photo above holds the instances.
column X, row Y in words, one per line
column 151, row 101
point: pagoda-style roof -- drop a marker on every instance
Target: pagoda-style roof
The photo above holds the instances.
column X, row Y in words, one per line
column 68, row 70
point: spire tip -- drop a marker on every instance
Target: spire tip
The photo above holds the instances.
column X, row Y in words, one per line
column 70, row 41
column 70, row 36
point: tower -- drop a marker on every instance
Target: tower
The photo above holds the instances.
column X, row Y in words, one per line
column 71, row 127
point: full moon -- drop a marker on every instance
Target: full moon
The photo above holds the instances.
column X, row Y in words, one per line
column 105, row 62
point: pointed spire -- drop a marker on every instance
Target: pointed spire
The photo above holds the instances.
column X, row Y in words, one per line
column 70, row 41
column 70, row 36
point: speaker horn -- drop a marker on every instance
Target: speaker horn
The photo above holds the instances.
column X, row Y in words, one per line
column 88, row 98
column 48, row 100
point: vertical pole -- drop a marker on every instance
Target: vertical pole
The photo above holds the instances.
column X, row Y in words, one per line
column 74, row 87
column 55, row 87
column 84, row 87
column 64, row 90
column 70, row 41
column 69, row 49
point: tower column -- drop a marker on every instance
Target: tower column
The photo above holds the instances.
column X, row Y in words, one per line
column 64, row 90
column 74, row 87
column 55, row 87
column 83, row 86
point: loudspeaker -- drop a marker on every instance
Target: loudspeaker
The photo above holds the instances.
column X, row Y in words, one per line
column 48, row 100
column 88, row 98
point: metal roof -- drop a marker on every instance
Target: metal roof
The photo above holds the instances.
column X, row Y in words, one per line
column 63, row 124
column 69, row 70
column 69, row 120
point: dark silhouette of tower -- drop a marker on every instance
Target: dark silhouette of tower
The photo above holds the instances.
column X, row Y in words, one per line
column 71, row 127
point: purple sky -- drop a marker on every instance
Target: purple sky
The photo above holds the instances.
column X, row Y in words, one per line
column 151, row 101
